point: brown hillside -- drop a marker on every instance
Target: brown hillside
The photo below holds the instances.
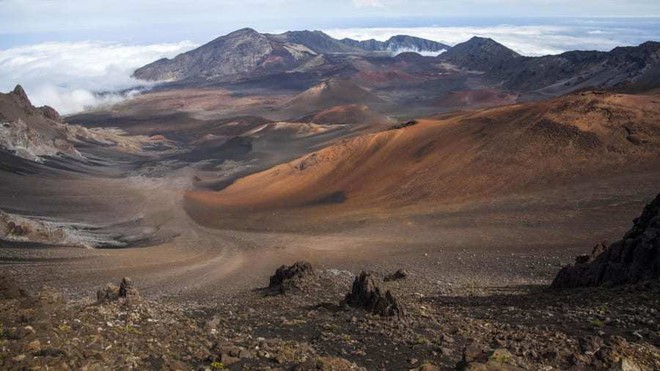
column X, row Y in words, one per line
column 457, row 158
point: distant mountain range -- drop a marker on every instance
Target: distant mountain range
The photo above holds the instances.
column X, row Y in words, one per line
column 302, row 59
column 248, row 51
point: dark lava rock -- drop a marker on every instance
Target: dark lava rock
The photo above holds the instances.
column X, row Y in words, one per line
column 398, row 275
column 633, row 259
column 403, row 125
column 111, row 292
column 9, row 289
column 291, row 277
column 108, row 293
column 365, row 294
column 127, row 289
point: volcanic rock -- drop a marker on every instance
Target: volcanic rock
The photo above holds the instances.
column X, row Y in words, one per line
column 22, row 95
column 50, row 113
column 633, row 259
column 127, row 289
column 108, row 293
column 478, row 357
column 9, row 289
column 111, row 292
column 365, row 294
column 291, row 277
column 398, row 275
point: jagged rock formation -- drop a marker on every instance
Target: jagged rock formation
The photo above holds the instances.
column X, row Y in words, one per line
column 400, row 274
column 35, row 133
column 126, row 291
column 365, row 294
column 291, row 277
column 633, row 259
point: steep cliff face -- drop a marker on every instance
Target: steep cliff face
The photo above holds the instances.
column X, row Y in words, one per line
column 633, row 259
column 36, row 133
column 32, row 132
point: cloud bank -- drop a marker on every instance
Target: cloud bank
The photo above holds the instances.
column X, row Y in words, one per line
column 73, row 77
column 530, row 40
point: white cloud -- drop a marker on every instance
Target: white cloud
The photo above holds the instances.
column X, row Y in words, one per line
column 73, row 77
column 368, row 3
column 531, row 40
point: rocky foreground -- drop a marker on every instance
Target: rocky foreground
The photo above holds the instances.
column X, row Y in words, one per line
column 332, row 320
column 600, row 314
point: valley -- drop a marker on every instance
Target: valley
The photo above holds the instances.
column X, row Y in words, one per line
column 478, row 172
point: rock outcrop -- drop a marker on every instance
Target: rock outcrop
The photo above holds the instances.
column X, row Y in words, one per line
column 126, row 291
column 288, row 278
column 633, row 259
column 400, row 274
column 365, row 294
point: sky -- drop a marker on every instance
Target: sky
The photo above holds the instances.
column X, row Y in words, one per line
column 79, row 54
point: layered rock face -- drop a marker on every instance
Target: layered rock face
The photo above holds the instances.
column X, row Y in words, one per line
column 633, row 259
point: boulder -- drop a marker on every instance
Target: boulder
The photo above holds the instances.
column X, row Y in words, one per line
column 633, row 259
column 126, row 291
column 110, row 292
column 365, row 294
column 9, row 289
column 398, row 275
column 291, row 277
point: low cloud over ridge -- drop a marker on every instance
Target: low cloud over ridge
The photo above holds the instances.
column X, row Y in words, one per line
column 74, row 76
column 530, row 40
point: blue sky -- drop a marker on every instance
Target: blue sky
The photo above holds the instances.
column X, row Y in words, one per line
column 140, row 21
column 66, row 52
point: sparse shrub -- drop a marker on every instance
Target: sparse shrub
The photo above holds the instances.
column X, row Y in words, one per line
column 218, row 365
column 64, row 327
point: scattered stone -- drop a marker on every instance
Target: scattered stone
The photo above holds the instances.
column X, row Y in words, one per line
column 478, row 357
column 9, row 289
column 633, row 259
column 108, row 293
column 625, row 364
column 365, row 294
column 291, row 277
column 428, row 367
column 33, row 346
column 398, row 275
column 19, row 358
column 327, row 364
